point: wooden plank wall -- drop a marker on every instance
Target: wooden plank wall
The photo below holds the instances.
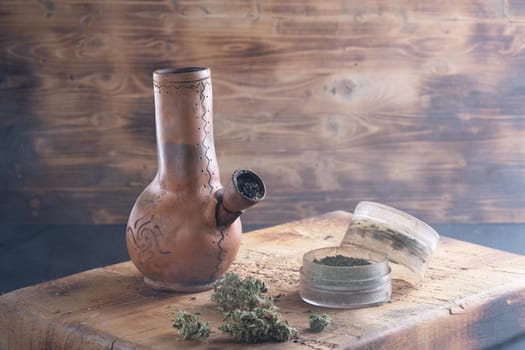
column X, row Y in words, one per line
column 417, row 104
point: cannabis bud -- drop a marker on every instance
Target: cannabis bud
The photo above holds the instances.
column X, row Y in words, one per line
column 190, row 327
column 250, row 317
column 233, row 293
column 257, row 325
column 319, row 322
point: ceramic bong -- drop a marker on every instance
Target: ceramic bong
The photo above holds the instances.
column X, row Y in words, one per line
column 184, row 229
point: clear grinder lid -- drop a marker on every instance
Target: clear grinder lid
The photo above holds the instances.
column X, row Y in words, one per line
column 405, row 240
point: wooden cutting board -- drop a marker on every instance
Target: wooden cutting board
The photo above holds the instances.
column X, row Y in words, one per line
column 472, row 297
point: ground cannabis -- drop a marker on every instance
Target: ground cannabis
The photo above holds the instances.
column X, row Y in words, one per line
column 233, row 293
column 257, row 325
column 318, row 322
column 249, row 186
column 341, row 260
column 190, row 327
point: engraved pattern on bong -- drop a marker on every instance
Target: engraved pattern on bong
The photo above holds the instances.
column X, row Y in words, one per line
column 145, row 236
column 202, row 88
column 205, row 116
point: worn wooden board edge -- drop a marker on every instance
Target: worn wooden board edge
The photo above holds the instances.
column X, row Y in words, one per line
column 453, row 326
column 17, row 321
column 478, row 326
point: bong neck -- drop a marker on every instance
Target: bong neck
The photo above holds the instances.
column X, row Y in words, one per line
column 184, row 128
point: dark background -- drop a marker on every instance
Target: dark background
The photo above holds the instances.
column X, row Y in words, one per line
column 416, row 104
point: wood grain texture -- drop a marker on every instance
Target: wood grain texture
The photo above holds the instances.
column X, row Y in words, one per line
column 472, row 297
column 416, row 104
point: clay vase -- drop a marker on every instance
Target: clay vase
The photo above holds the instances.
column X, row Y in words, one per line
column 184, row 229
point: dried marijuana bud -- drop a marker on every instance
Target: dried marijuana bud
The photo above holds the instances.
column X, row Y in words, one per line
column 190, row 327
column 233, row 293
column 249, row 316
column 257, row 325
column 319, row 322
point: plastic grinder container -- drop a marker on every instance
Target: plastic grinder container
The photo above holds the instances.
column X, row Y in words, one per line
column 345, row 286
column 407, row 241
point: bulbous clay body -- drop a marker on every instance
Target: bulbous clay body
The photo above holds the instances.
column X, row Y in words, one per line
column 180, row 236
